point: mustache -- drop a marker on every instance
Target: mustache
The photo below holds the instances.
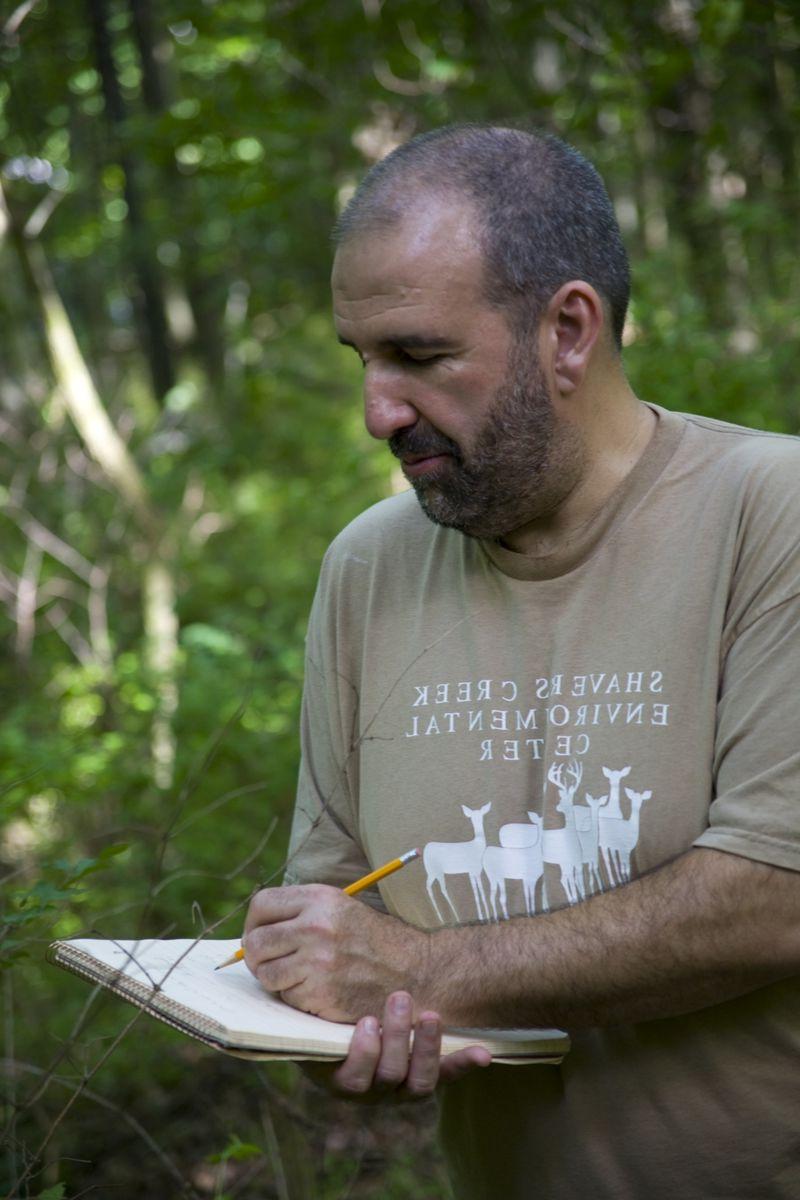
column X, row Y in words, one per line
column 422, row 442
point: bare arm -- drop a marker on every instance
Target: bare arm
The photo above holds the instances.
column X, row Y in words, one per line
column 702, row 929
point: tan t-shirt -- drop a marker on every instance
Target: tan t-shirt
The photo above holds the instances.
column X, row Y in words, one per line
column 547, row 727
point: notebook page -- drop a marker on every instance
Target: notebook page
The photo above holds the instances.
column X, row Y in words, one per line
column 184, row 969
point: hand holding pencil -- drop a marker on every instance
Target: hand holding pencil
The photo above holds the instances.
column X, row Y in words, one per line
column 348, row 963
column 352, row 889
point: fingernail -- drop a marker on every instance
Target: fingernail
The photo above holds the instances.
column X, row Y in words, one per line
column 370, row 1025
column 401, row 1005
column 429, row 1026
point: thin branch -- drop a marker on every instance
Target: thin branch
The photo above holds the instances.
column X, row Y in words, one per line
column 359, row 739
column 12, row 25
column 62, row 589
column 595, row 43
column 50, row 542
column 406, row 87
column 72, row 636
column 220, row 876
column 86, row 468
column 15, row 1067
column 26, row 605
column 246, row 790
column 298, row 70
column 8, row 585
column 42, row 213
column 414, row 43
column 99, row 634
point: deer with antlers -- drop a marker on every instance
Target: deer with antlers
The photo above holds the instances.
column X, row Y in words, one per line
column 562, row 847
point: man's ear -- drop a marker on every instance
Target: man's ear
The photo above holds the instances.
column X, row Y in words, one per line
column 572, row 324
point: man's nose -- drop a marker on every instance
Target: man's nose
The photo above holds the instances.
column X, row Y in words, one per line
column 388, row 407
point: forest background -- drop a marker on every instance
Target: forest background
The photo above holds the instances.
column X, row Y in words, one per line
column 181, row 438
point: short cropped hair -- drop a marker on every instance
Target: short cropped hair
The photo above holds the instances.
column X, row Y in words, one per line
column 543, row 211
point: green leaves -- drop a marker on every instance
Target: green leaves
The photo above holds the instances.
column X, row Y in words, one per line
column 32, row 910
column 236, row 1151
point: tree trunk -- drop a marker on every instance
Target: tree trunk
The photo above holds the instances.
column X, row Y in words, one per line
column 152, row 310
column 103, row 442
column 208, row 343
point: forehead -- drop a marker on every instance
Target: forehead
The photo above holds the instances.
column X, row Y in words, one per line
column 430, row 256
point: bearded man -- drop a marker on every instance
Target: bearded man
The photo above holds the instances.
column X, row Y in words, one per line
column 582, row 617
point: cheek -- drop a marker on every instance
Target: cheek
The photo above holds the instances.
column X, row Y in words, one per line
column 461, row 407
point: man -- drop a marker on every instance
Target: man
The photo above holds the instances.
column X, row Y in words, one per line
column 568, row 674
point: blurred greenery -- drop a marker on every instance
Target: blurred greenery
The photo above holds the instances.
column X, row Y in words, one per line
column 169, row 175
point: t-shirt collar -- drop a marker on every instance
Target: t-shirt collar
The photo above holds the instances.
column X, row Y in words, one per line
column 588, row 538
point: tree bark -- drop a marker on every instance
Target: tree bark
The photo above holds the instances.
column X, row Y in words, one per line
column 152, row 310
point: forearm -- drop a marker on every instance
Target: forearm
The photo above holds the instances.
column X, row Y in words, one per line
column 700, row 930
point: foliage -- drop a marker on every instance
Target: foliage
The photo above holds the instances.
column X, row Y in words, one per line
column 172, row 184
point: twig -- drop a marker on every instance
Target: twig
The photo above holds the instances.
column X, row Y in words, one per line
column 595, row 43
column 245, row 790
column 187, row 1189
column 70, row 634
column 406, row 87
column 42, row 213
column 357, row 741
column 26, row 599
column 11, row 27
column 99, row 634
column 222, row 877
column 50, row 542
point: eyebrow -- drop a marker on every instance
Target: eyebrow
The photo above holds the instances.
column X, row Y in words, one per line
column 410, row 341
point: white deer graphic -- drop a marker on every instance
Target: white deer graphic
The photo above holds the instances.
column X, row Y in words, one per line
column 519, row 834
column 459, row 858
column 562, row 847
column 618, row 838
column 519, row 856
column 613, row 810
column 587, row 824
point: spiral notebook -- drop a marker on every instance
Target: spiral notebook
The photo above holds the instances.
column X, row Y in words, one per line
column 175, row 981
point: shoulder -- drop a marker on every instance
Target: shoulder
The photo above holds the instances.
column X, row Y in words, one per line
column 393, row 543
column 397, row 522
column 384, row 565
column 742, row 451
column 751, row 482
column 391, row 555
column 379, row 552
column 752, row 470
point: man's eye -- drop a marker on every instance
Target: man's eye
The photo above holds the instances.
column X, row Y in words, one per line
column 419, row 360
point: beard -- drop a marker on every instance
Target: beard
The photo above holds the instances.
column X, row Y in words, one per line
column 523, row 463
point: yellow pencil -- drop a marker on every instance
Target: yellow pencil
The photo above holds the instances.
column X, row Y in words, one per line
column 352, row 889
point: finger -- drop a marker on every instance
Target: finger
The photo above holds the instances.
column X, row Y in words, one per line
column 462, row 1062
column 266, row 942
column 284, row 975
column 275, row 904
column 392, row 1066
column 423, row 1069
column 356, row 1074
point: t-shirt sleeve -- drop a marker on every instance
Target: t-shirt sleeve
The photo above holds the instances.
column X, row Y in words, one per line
column 755, row 812
column 324, row 845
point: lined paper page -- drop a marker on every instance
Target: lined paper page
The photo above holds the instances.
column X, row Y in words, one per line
column 184, row 969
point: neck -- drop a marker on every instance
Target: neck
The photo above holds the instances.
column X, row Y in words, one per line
column 608, row 433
